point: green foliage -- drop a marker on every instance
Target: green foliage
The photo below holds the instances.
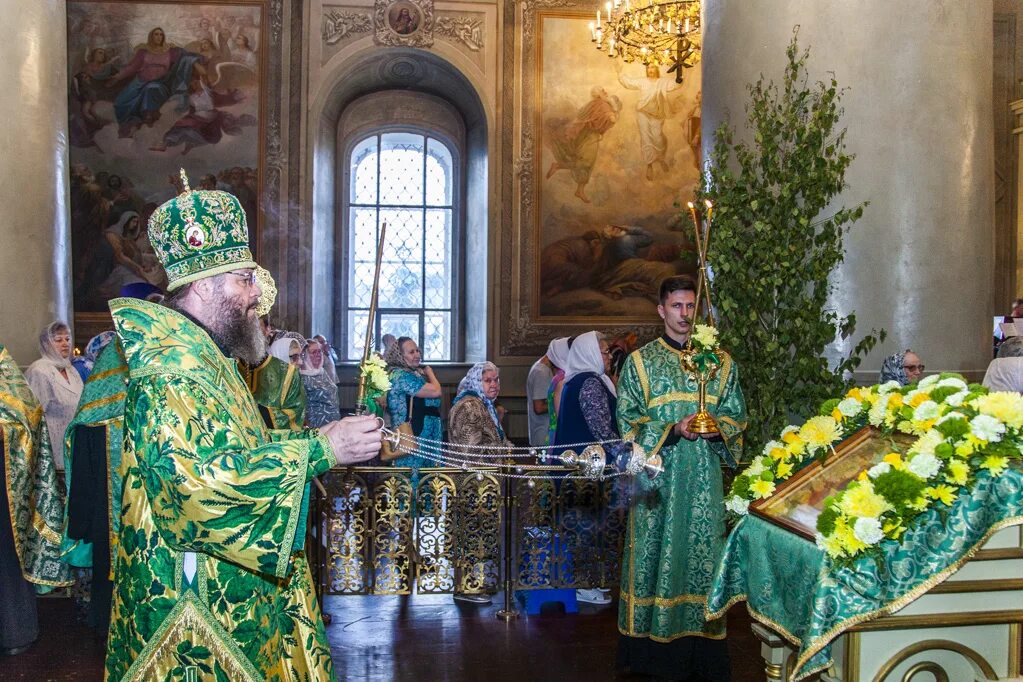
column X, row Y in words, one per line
column 776, row 240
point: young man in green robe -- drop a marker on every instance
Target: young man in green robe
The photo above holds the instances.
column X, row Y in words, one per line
column 676, row 525
column 210, row 581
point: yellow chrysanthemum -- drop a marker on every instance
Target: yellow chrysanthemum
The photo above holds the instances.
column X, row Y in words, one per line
column 966, row 447
column 762, row 489
column 784, row 469
column 1004, row 406
column 996, row 464
column 861, row 500
column 819, row 432
column 847, row 539
column 942, row 493
column 958, row 472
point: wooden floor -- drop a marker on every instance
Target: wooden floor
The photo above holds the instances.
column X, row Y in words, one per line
column 422, row 637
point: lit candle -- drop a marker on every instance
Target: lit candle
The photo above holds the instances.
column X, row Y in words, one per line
column 687, row 25
column 669, row 24
column 593, row 32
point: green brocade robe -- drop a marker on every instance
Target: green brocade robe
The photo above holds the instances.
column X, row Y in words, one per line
column 33, row 499
column 676, row 526
column 202, row 474
column 101, row 406
column 277, row 387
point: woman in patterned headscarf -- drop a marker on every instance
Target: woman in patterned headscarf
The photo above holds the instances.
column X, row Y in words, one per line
column 416, row 390
column 96, row 344
column 56, row 385
column 474, row 421
column 321, row 394
column 905, row 367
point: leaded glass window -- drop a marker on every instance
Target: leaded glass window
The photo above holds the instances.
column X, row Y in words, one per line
column 408, row 181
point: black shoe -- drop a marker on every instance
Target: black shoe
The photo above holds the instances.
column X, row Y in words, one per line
column 472, row 598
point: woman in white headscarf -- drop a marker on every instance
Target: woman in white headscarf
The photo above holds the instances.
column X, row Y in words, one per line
column 56, row 385
column 586, row 414
column 557, row 353
column 322, row 403
column 288, row 350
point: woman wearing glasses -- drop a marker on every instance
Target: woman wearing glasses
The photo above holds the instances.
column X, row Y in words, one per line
column 905, row 367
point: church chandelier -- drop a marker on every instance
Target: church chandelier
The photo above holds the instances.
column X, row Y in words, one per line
column 652, row 32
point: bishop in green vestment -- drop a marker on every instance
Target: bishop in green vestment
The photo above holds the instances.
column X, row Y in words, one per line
column 210, row 582
column 676, row 526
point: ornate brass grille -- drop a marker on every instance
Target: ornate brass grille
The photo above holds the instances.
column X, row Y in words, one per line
column 388, row 530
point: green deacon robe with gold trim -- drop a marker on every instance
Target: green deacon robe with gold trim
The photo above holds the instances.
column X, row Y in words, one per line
column 101, row 406
column 33, row 498
column 676, row 525
column 204, row 477
column 277, row 387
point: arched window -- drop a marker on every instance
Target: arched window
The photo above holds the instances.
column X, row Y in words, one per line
column 408, row 180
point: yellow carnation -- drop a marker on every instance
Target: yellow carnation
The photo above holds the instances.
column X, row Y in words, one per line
column 854, row 393
column 819, row 432
column 791, row 437
column 1004, row 406
column 918, row 399
column 836, row 414
column 894, row 401
column 861, row 500
column 895, row 460
column 762, row 489
column 778, row 454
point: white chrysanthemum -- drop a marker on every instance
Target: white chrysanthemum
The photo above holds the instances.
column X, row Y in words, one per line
column 956, row 399
column 868, row 530
column 924, row 465
column 927, row 382
column 878, row 469
column 987, row 428
column 926, row 443
column 952, row 382
column 850, row 407
column 737, row 505
column 926, row 410
column 771, row 445
column 756, row 467
column 888, row 387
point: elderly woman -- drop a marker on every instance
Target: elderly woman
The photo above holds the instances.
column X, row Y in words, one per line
column 414, row 396
column 474, row 421
column 587, row 411
column 1005, row 373
column 56, row 385
column 905, row 367
column 322, row 403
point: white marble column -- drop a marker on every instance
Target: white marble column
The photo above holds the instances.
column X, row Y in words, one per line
column 919, row 114
column 34, row 242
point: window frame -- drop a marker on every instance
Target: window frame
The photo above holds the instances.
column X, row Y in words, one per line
column 457, row 256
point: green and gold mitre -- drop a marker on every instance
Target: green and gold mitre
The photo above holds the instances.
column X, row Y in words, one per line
column 200, row 234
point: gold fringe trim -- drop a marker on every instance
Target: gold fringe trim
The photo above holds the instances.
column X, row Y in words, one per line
column 664, row 602
column 677, row 635
column 818, row 643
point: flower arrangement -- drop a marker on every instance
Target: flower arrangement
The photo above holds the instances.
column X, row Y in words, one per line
column 374, row 371
column 962, row 430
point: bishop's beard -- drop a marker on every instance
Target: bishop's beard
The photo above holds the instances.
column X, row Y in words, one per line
column 238, row 334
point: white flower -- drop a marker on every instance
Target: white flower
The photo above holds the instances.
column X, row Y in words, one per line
column 756, row 467
column 868, row 530
column 878, row 469
column 878, row 411
column 951, row 415
column 924, row 465
column 953, row 382
column 771, row 445
column 888, row 387
column 850, row 407
column 705, row 335
column 926, row 410
column 737, row 505
column 956, row 399
column 926, row 443
column 928, row 381
column 987, row 428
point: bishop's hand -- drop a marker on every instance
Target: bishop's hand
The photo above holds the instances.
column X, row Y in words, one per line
column 354, row 439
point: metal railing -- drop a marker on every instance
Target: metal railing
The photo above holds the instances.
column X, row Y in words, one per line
column 390, row 530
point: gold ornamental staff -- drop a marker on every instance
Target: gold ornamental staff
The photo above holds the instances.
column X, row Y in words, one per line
column 360, row 404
